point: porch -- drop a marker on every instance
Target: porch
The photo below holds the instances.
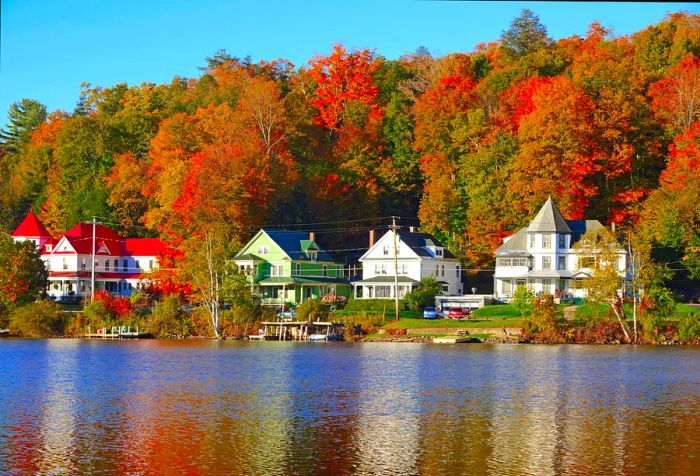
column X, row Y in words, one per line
column 383, row 287
column 277, row 291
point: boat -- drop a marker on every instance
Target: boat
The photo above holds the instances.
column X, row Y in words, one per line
column 4, row 332
column 330, row 337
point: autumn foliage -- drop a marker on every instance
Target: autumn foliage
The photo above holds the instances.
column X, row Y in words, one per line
column 469, row 144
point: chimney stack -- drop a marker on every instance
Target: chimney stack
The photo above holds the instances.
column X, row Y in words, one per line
column 613, row 227
column 312, row 236
column 412, row 229
column 371, row 238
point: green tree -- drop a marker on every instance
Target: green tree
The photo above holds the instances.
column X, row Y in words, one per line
column 523, row 300
column 38, row 319
column 424, row 295
column 525, row 35
column 24, row 117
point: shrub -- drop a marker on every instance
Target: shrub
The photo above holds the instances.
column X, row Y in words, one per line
column 689, row 328
column 377, row 305
column 544, row 323
column 168, row 321
column 424, row 295
column 312, row 310
column 38, row 319
column 97, row 315
column 241, row 319
column 523, row 300
column 360, row 323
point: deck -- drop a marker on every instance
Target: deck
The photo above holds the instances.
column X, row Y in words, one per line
column 296, row 330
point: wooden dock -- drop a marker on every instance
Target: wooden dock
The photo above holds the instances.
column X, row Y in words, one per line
column 118, row 332
column 296, row 330
column 455, row 340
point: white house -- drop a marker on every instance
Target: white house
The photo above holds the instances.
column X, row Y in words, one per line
column 418, row 255
column 540, row 256
column 121, row 264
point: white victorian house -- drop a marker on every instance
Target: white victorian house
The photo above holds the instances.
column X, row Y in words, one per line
column 418, row 255
column 540, row 256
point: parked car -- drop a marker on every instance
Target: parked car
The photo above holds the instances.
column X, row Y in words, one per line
column 458, row 312
column 432, row 313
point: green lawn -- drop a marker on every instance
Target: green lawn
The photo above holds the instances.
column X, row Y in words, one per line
column 683, row 310
column 495, row 311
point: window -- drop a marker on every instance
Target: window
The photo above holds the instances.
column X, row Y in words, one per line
column 379, row 269
column 383, row 291
column 263, row 250
column 48, row 265
column 457, row 271
column 325, row 270
column 503, row 262
column 547, row 286
column 519, row 261
column 532, row 241
column 297, row 269
column 385, row 251
column 49, row 248
column 546, row 262
column 562, row 242
column 82, row 263
column 65, row 263
column 561, row 263
column 442, row 270
column 150, row 264
column 106, row 265
column 276, row 270
column 438, row 252
column 116, row 265
column 402, row 269
column 125, row 266
column 506, row 287
column 546, row 241
column 138, row 265
column 313, row 255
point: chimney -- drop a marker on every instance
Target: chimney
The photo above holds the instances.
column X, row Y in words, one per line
column 613, row 227
column 371, row 238
column 312, row 236
column 412, row 229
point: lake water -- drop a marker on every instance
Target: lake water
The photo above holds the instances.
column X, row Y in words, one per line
column 161, row 407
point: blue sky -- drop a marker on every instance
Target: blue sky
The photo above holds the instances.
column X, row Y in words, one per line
column 50, row 47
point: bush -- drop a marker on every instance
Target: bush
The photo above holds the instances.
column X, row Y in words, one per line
column 544, row 323
column 97, row 315
column 168, row 321
column 312, row 310
column 689, row 328
column 423, row 296
column 376, row 305
column 39, row 319
column 360, row 323
column 242, row 319
column 523, row 300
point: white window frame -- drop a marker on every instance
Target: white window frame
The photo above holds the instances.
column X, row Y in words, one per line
column 546, row 241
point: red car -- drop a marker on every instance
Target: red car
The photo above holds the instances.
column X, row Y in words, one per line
column 457, row 313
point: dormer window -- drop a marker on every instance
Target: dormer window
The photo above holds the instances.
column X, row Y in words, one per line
column 312, row 255
column 49, row 248
column 439, row 252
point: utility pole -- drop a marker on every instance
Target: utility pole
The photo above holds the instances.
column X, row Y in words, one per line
column 396, row 270
column 92, row 277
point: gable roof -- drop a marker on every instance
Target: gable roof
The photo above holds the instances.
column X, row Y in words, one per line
column 548, row 219
column 31, row 227
column 294, row 244
column 418, row 242
column 516, row 242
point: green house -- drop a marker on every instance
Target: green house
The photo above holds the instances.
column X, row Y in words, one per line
column 289, row 267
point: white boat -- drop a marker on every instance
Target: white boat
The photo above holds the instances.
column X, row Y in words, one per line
column 325, row 337
column 4, row 332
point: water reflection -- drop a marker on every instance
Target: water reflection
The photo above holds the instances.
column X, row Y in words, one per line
column 69, row 406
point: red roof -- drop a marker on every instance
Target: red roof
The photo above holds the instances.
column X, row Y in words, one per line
column 31, row 227
column 143, row 246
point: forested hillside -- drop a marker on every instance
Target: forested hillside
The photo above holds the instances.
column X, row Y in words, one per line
column 470, row 144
